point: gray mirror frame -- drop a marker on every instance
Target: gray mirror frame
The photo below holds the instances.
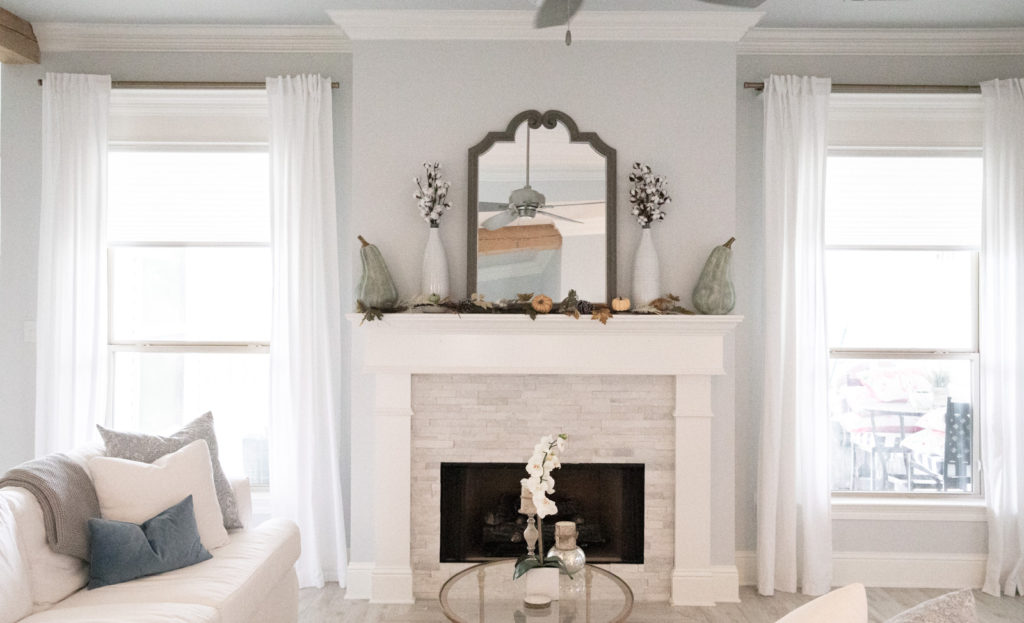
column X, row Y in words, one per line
column 549, row 120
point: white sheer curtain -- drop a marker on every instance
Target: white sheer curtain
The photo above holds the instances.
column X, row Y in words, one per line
column 794, row 529
column 71, row 317
column 1001, row 336
column 305, row 341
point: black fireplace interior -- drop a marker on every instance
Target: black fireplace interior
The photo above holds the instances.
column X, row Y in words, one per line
column 480, row 517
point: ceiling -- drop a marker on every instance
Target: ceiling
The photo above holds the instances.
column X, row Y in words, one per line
column 778, row 13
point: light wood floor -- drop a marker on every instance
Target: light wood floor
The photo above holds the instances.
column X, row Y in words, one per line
column 329, row 604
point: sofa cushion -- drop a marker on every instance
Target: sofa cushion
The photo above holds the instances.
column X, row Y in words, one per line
column 15, row 595
column 123, row 551
column 148, row 448
column 957, row 607
column 234, row 581
column 134, row 492
column 53, row 576
column 129, row 613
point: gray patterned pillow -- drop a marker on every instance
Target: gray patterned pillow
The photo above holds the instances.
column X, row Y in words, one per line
column 955, row 607
column 148, row 448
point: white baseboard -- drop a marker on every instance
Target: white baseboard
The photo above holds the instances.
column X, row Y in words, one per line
column 358, row 580
column 725, row 584
column 391, row 585
column 890, row 569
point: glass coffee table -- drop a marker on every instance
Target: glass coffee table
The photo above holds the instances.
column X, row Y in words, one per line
column 486, row 593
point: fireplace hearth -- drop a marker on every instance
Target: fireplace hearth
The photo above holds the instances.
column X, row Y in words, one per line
column 480, row 503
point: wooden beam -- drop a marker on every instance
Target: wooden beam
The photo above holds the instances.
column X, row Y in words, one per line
column 522, row 238
column 18, row 45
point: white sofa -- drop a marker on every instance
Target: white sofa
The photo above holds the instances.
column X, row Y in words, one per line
column 250, row 580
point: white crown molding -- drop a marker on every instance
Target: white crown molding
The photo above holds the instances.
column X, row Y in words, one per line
column 883, row 41
column 66, row 37
column 518, row 25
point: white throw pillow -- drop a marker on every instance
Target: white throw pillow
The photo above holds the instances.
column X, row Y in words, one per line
column 848, row 604
column 135, row 492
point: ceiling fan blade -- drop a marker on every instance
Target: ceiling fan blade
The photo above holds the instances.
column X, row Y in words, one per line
column 743, row 3
column 553, row 215
column 499, row 220
column 491, row 206
column 555, row 12
column 572, row 203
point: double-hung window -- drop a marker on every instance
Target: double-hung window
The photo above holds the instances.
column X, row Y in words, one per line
column 189, row 268
column 902, row 239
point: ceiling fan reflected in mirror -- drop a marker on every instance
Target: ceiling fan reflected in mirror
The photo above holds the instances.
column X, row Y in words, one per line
column 524, row 202
column 559, row 12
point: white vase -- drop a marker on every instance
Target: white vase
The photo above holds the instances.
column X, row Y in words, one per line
column 434, row 278
column 646, row 271
column 541, row 585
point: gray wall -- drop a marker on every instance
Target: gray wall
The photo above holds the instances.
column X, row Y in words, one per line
column 20, row 187
column 671, row 104
column 964, row 537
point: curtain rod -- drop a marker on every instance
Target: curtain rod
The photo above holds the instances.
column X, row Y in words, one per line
column 889, row 88
column 150, row 84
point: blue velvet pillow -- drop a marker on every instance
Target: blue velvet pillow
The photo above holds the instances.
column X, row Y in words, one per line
column 123, row 551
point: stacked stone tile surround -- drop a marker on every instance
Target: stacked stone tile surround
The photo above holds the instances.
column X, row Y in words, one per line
column 499, row 418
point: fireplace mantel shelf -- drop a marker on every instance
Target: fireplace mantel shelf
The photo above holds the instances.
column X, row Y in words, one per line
column 550, row 323
column 551, row 344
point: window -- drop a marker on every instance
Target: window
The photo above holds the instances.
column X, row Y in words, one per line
column 189, row 270
column 902, row 238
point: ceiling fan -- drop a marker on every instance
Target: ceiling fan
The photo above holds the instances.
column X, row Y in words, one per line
column 559, row 12
column 524, row 202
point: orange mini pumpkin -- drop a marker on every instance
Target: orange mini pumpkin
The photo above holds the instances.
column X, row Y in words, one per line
column 541, row 304
column 620, row 303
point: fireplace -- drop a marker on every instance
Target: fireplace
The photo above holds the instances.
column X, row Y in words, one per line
column 480, row 517
column 437, row 388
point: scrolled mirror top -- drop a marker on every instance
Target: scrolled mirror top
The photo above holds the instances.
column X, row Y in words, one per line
column 541, row 214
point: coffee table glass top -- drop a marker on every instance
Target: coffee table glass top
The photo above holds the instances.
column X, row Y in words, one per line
column 486, row 593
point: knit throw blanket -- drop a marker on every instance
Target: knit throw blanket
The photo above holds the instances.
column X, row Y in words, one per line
column 67, row 497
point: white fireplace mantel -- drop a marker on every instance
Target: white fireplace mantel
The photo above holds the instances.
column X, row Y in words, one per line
column 390, row 351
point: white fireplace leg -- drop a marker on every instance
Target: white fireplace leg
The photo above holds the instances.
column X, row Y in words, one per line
column 392, row 413
column 692, row 578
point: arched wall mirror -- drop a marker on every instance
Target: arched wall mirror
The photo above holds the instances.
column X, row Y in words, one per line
column 541, row 211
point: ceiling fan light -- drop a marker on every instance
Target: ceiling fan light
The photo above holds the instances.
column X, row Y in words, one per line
column 526, row 197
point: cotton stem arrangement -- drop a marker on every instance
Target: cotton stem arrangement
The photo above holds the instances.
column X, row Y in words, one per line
column 647, row 195
column 432, row 194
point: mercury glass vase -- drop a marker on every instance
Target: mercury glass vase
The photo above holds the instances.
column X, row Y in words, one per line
column 646, row 270
column 434, row 278
column 565, row 548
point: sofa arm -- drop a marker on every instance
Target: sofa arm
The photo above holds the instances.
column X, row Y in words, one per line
column 243, row 496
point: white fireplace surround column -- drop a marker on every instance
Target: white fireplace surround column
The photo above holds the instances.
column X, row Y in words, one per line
column 390, row 351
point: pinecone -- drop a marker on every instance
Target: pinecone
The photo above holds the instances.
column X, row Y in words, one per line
column 585, row 307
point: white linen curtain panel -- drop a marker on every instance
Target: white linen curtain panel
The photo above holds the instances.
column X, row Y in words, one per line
column 1001, row 336
column 71, row 312
column 794, row 530
column 305, row 341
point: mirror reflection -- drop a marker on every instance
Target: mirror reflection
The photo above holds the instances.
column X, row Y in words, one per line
column 542, row 221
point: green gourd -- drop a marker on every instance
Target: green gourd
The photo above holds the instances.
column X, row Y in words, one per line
column 715, row 293
column 376, row 288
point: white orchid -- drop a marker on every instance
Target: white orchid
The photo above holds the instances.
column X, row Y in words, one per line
column 540, row 483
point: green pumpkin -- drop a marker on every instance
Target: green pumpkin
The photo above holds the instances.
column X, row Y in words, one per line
column 376, row 288
column 715, row 293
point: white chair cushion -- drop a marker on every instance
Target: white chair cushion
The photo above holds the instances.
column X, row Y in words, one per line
column 848, row 604
column 129, row 613
column 234, row 581
column 135, row 492
column 15, row 587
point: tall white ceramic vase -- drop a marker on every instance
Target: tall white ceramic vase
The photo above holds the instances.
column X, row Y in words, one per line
column 646, row 271
column 434, row 278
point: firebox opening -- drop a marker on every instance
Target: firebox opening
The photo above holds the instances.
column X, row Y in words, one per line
column 480, row 517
